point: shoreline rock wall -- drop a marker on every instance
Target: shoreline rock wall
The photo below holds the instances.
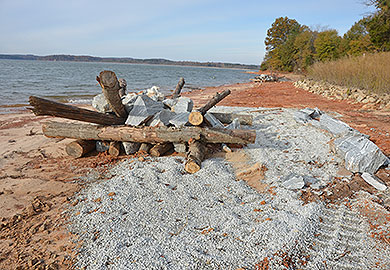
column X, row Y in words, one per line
column 371, row 101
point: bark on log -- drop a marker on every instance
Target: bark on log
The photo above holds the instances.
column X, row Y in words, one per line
column 195, row 156
column 160, row 149
column 79, row 148
column 43, row 106
column 227, row 118
column 196, row 117
column 147, row 134
column 110, row 86
column 115, row 149
column 145, row 147
column 179, row 86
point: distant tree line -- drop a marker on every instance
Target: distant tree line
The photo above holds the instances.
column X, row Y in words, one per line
column 291, row 46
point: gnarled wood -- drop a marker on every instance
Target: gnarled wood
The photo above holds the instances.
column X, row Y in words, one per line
column 179, row 86
column 197, row 116
column 110, row 86
column 41, row 106
column 147, row 134
column 195, row 156
column 160, row 149
column 115, row 149
column 79, row 148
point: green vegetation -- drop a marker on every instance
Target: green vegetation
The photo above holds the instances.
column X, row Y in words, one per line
column 291, row 46
column 369, row 72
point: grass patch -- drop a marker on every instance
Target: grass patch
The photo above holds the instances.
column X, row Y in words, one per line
column 370, row 72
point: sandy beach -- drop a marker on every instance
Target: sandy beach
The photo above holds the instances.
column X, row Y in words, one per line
column 38, row 179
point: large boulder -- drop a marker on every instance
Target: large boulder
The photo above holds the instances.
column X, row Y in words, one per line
column 143, row 109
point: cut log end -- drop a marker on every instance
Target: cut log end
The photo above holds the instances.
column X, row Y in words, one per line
column 195, row 118
column 115, row 149
column 160, row 149
column 192, row 165
column 79, row 148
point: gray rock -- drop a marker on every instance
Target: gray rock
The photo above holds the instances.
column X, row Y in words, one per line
column 180, row 120
column 335, row 126
column 302, row 117
column 310, row 180
column 131, row 147
column 129, row 100
column 180, row 147
column 374, row 181
column 102, row 146
column 294, row 181
column 183, row 104
column 235, row 124
column 213, row 120
column 169, row 102
column 360, row 154
column 100, row 103
column 154, row 93
column 313, row 113
column 143, row 109
column 162, row 118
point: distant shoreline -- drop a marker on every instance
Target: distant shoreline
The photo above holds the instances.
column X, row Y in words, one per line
column 126, row 60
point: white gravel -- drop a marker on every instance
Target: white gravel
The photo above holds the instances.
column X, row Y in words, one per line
column 162, row 218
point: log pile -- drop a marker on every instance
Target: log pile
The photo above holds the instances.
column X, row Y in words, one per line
column 146, row 122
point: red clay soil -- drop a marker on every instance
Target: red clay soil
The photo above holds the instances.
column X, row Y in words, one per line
column 286, row 95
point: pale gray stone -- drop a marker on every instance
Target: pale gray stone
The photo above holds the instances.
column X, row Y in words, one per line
column 302, row 117
column 131, row 147
column 374, row 181
column 154, row 93
column 213, row 120
column 180, row 120
column 102, row 146
column 360, row 154
column 294, row 181
column 143, row 109
column 183, row 104
column 235, row 124
column 162, row 118
column 335, row 126
column 169, row 102
column 128, row 100
column 100, row 103
column 180, row 147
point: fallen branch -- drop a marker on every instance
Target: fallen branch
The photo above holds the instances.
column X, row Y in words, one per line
column 179, row 86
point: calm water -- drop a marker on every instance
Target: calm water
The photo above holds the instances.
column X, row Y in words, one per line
column 75, row 82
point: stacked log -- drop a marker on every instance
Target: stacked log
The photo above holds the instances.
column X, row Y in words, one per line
column 158, row 125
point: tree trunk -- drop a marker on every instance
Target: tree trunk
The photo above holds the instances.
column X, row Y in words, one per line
column 115, row 149
column 196, row 117
column 43, row 106
column 146, row 134
column 79, row 148
column 179, row 86
column 110, row 86
column 195, row 156
column 160, row 149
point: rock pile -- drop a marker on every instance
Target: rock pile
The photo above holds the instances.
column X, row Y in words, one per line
column 371, row 100
column 359, row 153
column 265, row 78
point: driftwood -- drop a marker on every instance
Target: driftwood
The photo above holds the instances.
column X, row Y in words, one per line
column 147, row 134
column 196, row 117
column 160, row 149
column 195, row 156
column 115, row 149
column 179, row 86
column 79, row 148
column 43, row 106
column 110, row 86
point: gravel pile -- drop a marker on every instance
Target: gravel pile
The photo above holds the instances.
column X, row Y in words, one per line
column 152, row 215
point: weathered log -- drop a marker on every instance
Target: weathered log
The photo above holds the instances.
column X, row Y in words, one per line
column 115, row 149
column 146, row 134
column 145, row 147
column 196, row 117
column 43, row 106
column 179, row 86
column 227, row 118
column 79, row 148
column 110, row 86
column 195, row 156
column 160, row 149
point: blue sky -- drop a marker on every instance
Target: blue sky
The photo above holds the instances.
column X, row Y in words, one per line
column 201, row 30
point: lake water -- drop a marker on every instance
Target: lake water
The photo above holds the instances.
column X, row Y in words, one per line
column 75, row 82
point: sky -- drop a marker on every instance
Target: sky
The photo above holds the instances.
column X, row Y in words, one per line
column 188, row 30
